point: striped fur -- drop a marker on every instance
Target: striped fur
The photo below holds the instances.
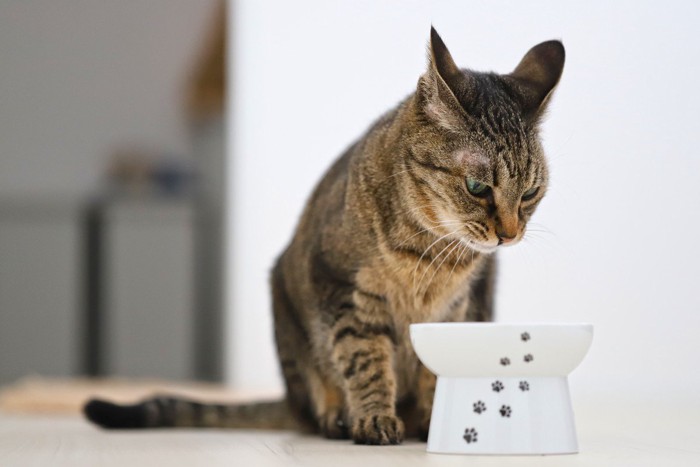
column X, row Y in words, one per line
column 392, row 236
column 166, row 411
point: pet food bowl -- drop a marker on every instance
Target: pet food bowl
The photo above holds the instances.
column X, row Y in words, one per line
column 501, row 388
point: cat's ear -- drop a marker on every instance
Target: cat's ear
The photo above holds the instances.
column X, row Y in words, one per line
column 537, row 75
column 439, row 86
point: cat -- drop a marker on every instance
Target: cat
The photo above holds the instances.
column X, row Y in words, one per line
column 403, row 228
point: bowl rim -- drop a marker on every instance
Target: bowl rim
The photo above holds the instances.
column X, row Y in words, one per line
column 504, row 325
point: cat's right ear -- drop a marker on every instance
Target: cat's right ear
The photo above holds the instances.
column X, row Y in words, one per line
column 439, row 86
column 537, row 75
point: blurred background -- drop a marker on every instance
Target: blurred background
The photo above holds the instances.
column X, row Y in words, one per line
column 138, row 225
column 111, row 186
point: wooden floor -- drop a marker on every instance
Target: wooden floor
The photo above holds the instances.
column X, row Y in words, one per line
column 661, row 432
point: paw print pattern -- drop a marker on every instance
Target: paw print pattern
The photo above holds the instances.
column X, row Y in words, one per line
column 524, row 386
column 505, row 361
column 479, row 407
column 497, row 386
column 525, row 336
column 470, row 435
column 528, row 358
column 505, row 411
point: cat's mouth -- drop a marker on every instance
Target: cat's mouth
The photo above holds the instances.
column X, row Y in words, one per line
column 487, row 247
column 478, row 246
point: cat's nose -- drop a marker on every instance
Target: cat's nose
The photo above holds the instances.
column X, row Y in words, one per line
column 507, row 232
column 503, row 239
column 506, row 227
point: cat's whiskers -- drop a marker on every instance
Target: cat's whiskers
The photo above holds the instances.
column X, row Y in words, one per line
column 525, row 251
column 415, row 270
column 429, row 229
column 535, row 231
column 448, row 222
column 454, row 246
column 537, row 227
column 534, row 240
column 433, row 226
column 456, row 242
column 530, row 234
column 418, row 208
column 536, row 247
column 462, row 250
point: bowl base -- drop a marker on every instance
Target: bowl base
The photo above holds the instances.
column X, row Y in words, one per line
column 502, row 415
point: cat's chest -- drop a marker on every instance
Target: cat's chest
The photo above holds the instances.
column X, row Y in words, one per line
column 420, row 292
column 417, row 295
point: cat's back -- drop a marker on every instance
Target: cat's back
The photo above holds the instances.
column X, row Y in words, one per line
column 332, row 213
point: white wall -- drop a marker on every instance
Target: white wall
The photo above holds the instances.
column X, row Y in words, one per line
column 80, row 79
column 623, row 135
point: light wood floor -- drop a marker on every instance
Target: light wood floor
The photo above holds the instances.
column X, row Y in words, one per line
column 662, row 431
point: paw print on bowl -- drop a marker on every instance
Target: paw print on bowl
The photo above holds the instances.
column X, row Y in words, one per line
column 479, row 407
column 505, row 361
column 525, row 336
column 470, row 435
column 497, row 386
column 528, row 358
column 524, row 386
column 505, row 411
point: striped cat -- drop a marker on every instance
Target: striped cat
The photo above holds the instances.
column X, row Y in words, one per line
column 402, row 229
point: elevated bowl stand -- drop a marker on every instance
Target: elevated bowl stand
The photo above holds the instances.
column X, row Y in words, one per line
column 502, row 388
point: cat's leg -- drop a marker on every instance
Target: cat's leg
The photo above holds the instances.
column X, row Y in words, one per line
column 329, row 407
column 292, row 350
column 363, row 351
column 424, row 400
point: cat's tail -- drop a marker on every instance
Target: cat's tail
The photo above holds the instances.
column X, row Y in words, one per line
column 160, row 412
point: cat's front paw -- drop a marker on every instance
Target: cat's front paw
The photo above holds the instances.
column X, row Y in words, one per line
column 333, row 425
column 378, row 429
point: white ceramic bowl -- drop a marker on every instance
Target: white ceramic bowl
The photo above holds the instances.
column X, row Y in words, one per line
column 501, row 349
column 502, row 387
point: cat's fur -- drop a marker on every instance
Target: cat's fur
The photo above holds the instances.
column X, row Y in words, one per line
column 392, row 236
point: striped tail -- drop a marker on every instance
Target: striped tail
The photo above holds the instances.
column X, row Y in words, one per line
column 160, row 412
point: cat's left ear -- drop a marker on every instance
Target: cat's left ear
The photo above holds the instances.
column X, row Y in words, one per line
column 537, row 75
column 439, row 87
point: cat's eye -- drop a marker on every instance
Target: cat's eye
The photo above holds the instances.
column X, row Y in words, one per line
column 477, row 188
column 531, row 193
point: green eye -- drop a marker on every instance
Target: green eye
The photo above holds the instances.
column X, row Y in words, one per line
column 477, row 188
column 529, row 194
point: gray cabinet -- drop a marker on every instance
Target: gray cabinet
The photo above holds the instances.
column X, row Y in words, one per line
column 124, row 307
column 147, row 302
column 40, row 289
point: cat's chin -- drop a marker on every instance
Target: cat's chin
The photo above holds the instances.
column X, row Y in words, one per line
column 480, row 247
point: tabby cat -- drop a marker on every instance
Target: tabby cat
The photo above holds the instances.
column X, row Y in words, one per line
column 402, row 229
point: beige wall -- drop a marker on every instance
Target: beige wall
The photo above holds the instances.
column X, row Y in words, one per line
column 622, row 136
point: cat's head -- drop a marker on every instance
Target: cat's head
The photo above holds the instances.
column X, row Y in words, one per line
column 476, row 165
